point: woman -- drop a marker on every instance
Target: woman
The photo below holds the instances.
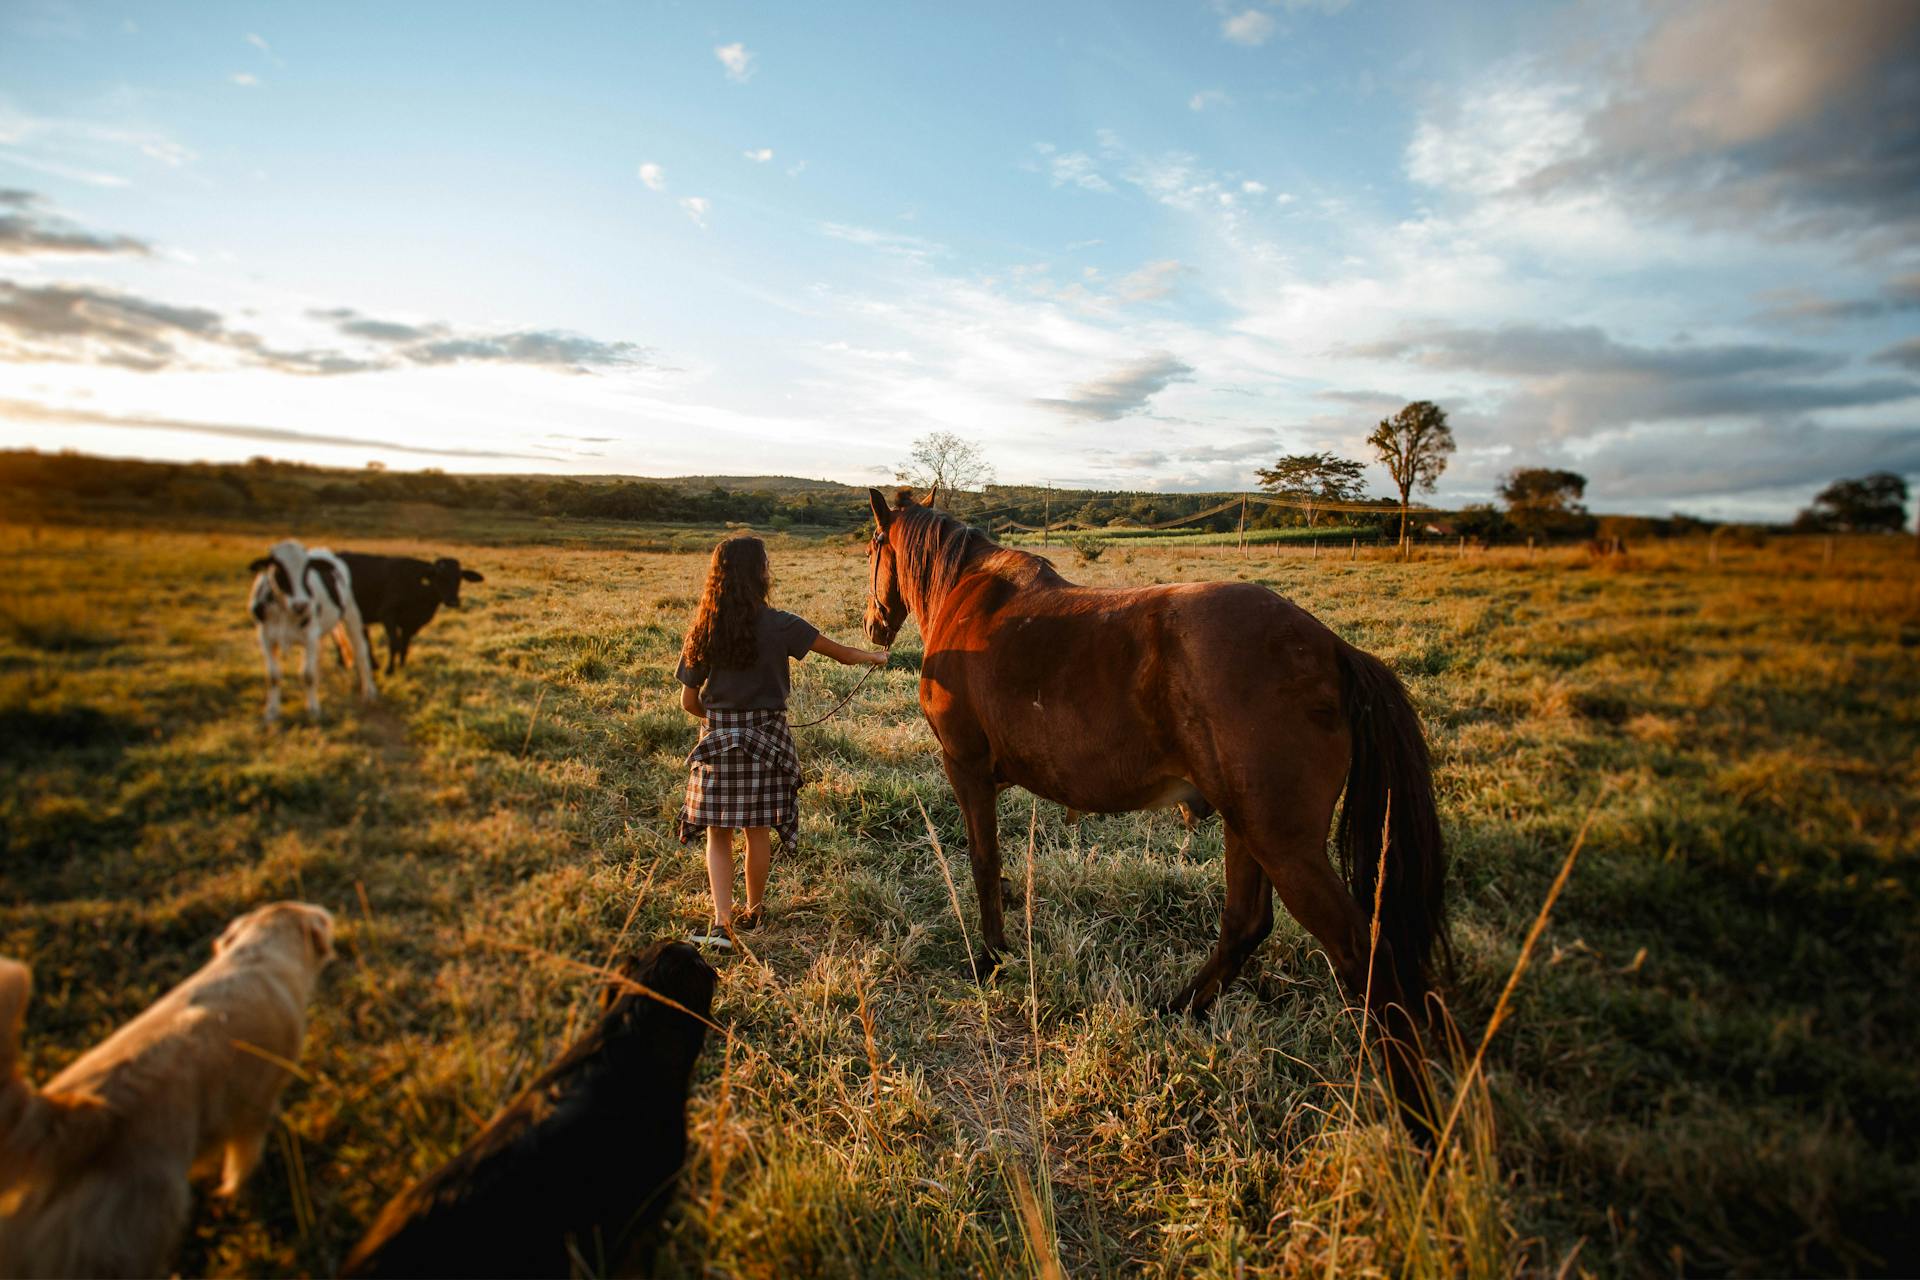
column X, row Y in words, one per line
column 744, row 774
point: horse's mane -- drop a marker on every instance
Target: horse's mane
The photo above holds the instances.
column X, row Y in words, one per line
column 936, row 549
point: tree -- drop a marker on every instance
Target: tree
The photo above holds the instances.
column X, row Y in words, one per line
column 1544, row 499
column 944, row 461
column 1414, row 444
column 1870, row 504
column 1311, row 479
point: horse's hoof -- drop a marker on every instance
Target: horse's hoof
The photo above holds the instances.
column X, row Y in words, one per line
column 984, row 965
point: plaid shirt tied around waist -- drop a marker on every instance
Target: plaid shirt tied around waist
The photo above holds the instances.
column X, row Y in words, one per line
column 744, row 772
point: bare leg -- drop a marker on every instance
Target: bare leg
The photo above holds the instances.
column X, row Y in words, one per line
column 720, row 872
column 975, row 792
column 1245, row 923
column 759, row 862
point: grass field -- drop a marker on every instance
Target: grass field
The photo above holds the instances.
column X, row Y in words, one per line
column 1712, row 1066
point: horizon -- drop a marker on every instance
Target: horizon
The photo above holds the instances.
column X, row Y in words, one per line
column 1672, row 248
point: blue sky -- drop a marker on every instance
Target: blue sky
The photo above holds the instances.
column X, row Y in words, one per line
column 1142, row 245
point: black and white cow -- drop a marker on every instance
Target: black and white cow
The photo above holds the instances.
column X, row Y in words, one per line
column 402, row 594
column 301, row 596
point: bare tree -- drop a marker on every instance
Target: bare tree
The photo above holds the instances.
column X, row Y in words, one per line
column 941, row 460
column 1414, row 444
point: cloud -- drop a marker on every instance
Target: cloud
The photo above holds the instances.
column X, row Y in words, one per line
column 1155, row 280
column 1904, row 354
column 439, row 344
column 259, row 42
column 1123, row 391
column 696, row 207
column 1071, row 168
column 1206, row 98
column 27, row 229
column 30, row 411
column 1570, row 386
column 1899, row 296
column 87, row 324
column 1768, row 117
column 759, row 155
column 1545, row 350
column 1249, row 27
column 245, row 79
column 654, row 176
column 1670, row 463
column 737, row 59
column 889, row 242
column 79, row 150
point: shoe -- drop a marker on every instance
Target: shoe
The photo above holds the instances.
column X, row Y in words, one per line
column 749, row 919
column 713, row 936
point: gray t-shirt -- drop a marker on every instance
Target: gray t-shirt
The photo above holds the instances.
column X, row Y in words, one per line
column 763, row 686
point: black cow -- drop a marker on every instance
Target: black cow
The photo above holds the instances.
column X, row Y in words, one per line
column 577, row 1171
column 402, row 594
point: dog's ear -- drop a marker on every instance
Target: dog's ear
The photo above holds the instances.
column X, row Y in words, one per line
column 228, row 934
column 317, row 924
column 468, row 575
column 260, row 564
column 16, row 988
column 880, row 513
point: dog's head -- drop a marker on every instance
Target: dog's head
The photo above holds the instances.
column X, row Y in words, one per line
column 295, row 928
column 670, row 969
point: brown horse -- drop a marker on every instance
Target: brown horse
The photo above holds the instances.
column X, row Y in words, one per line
column 1220, row 696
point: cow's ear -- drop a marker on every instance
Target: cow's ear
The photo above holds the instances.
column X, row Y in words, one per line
column 468, row 575
column 881, row 515
column 260, row 564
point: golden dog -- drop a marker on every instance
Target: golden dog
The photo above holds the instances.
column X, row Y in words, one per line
column 94, row 1167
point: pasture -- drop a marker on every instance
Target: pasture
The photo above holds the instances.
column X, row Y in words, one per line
column 1712, row 1065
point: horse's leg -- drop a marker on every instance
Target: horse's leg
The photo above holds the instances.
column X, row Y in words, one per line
column 974, row 790
column 1245, row 923
column 1312, row 891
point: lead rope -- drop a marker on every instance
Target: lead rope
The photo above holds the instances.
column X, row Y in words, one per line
column 808, row 724
column 873, row 597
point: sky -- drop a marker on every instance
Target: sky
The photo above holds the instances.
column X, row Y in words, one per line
column 1147, row 245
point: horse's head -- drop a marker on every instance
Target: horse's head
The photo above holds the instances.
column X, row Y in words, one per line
column 886, row 606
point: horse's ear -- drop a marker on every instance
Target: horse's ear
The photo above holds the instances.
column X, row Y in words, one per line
column 933, row 494
column 880, row 513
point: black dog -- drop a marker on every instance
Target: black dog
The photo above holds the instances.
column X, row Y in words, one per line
column 582, row 1164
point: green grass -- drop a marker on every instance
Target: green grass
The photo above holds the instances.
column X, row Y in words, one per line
column 1709, row 1067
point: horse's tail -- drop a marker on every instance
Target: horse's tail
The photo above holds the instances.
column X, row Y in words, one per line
column 1390, row 785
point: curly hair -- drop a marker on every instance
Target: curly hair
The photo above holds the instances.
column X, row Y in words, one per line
column 739, row 580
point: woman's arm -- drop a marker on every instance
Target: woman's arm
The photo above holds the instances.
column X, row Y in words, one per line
column 690, row 702
column 848, row 654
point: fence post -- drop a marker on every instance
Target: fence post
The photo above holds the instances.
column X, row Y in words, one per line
column 1353, row 552
column 1462, row 555
column 1826, row 551
column 1046, row 518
